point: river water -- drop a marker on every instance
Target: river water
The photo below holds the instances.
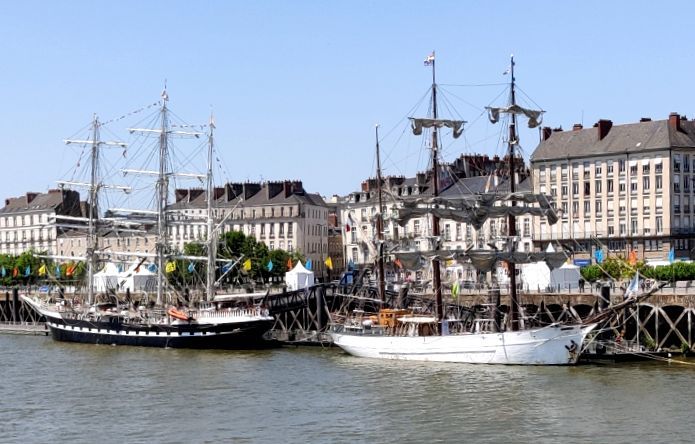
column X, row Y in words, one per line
column 75, row 393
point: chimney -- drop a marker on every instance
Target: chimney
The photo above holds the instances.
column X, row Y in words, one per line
column 546, row 132
column 674, row 121
column 217, row 192
column 273, row 189
column 577, row 127
column 31, row 197
column 180, row 195
column 194, row 193
column 7, row 202
column 233, row 190
column 645, row 119
column 251, row 189
column 604, row 126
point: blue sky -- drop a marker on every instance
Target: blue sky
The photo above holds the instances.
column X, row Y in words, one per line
column 297, row 86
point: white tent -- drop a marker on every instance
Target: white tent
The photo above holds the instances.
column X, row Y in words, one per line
column 299, row 277
column 134, row 278
column 537, row 276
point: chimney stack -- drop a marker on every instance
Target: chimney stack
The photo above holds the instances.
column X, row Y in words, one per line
column 645, row 119
column 546, row 132
column 674, row 121
column 604, row 126
column 577, row 127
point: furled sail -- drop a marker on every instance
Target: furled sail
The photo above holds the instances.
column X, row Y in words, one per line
column 535, row 117
column 476, row 209
column 418, row 124
column 482, row 260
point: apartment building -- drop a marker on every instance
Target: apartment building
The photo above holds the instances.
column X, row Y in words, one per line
column 621, row 187
column 280, row 214
column 29, row 222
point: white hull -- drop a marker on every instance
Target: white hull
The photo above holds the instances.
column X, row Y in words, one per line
column 552, row 345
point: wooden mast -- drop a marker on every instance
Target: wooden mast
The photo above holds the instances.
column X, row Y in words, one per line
column 436, row 278
column 513, row 297
column 380, row 224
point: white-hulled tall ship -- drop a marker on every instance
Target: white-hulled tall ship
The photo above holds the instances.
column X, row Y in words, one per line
column 216, row 321
column 402, row 333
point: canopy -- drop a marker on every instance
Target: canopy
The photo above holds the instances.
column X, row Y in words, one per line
column 299, row 277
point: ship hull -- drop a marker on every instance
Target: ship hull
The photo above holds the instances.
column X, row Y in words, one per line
column 552, row 345
column 242, row 335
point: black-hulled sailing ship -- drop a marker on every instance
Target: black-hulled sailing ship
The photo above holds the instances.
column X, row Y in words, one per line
column 212, row 322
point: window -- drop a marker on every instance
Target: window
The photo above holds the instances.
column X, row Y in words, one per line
column 587, row 208
column 658, row 167
column 527, row 228
column 575, row 188
column 565, row 210
column 597, row 206
column 633, row 185
column 676, row 163
column 633, row 226
column 458, row 232
column 587, row 171
column 621, row 166
column 575, row 209
column 676, row 183
column 645, row 168
column 597, row 170
column 659, row 224
column 587, row 188
column 597, row 186
column 659, row 183
column 621, row 186
column 645, row 183
column 447, row 232
column 416, row 227
column 609, row 185
column 564, row 190
column 609, row 168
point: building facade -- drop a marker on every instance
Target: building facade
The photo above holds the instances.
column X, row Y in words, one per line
column 282, row 215
column 620, row 187
column 29, row 222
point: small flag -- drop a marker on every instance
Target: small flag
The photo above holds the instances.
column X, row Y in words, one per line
column 152, row 268
column 42, row 270
column 57, row 271
column 170, row 267
column 455, row 289
column 429, row 60
column 308, row 264
column 397, row 262
column 633, row 288
column 27, row 271
column 226, row 267
column 120, row 268
column 671, row 255
column 247, row 264
column 70, row 270
column 191, row 267
column 598, row 255
column 15, row 272
column 329, row 263
column 347, row 228
column 270, row 265
column 3, row 272
column 632, row 258
column 351, row 265
column 289, row 263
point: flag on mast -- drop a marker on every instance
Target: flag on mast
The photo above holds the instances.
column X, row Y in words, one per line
column 429, row 60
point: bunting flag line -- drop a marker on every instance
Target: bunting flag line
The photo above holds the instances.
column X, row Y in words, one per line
column 289, row 263
column 170, row 267
column 226, row 267
column 270, row 265
column 351, row 265
column 15, row 272
column 42, row 270
column 3, row 272
column 598, row 255
column 455, row 289
column 671, row 255
column 397, row 263
column 191, row 267
column 152, row 268
column 70, row 270
column 329, row 263
column 308, row 264
column 27, row 271
column 247, row 265
column 57, row 271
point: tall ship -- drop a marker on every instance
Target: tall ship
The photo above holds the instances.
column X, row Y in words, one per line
column 213, row 321
column 440, row 334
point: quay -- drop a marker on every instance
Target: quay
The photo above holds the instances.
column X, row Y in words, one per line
column 24, row 328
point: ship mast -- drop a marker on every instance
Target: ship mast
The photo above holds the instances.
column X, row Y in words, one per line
column 436, row 278
column 513, row 140
column 380, row 223
column 212, row 244
column 162, row 197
